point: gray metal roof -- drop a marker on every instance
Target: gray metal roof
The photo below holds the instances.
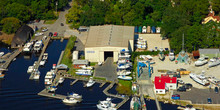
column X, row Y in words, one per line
column 62, row 66
column 109, row 35
column 209, row 51
column 80, row 62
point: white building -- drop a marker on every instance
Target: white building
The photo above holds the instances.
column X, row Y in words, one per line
column 107, row 41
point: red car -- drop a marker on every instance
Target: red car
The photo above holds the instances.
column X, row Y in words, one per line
column 55, row 34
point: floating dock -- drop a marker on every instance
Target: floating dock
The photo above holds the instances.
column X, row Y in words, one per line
column 45, row 93
column 46, row 42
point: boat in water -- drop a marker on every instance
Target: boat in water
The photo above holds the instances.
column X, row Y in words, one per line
column 214, row 62
column 106, row 105
column 36, row 74
column 44, row 59
column 124, row 72
column 74, row 95
column 70, row 100
column 49, row 77
column 30, row 69
column 1, row 54
column 38, row 46
column 52, row 88
column 28, row 47
column 90, row 83
column 2, row 75
column 201, row 79
column 61, row 80
column 123, row 77
column 171, row 56
column 135, row 103
column 201, row 61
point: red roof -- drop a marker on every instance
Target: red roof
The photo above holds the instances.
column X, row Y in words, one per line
column 160, row 82
column 212, row 14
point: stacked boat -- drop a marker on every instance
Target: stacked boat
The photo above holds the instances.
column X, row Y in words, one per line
column 214, row 62
column 201, row 79
column 49, row 77
column 141, row 43
column 124, row 65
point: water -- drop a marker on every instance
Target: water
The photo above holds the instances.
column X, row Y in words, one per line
column 17, row 92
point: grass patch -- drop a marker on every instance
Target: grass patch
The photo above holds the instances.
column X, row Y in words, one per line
column 93, row 63
column 67, row 57
column 49, row 21
column 99, row 78
column 124, row 87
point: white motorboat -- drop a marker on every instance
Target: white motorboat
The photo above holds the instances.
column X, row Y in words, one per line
column 124, row 72
column 1, row 54
column 90, row 83
column 124, row 55
column 199, row 79
column 30, row 69
column 74, row 95
column 54, row 66
column 141, row 46
column 85, row 73
column 135, row 102
column 49, row 77
column 28, row 47
column 38, row 46
column 124, row 66
column 123, row 77
column 45, row 56
column 36, row 74
column 161, row 56
column 123, row 61
column 42, row 62
column 52, row 88
column 171, row 56
column 201, row 61
column 61, row 80
column 214, row 62
column 70, row 100
column 106, row 105
column 87, row 67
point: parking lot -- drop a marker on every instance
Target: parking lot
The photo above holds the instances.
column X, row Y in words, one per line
column 107, row 70
column 199, row 96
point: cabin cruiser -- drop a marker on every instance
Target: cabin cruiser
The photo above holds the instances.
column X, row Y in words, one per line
column 201, row 79
column 106, row 105
column 87, row 67
column 123, row 77
column 90, row 83
column 70, row 100
column 36, row 74
column 124, row 55
column 38, row 45
column 28, row 47
column 124, row 60
column 135, row 103
column 30, row 69
column 123, row 72
column 171, row 56
column 52, row 88
column 86, row 73
column 44, row 59
column 61, row 80
column 49, row 77
column 214, row 62
column 1, row 75
column 201, row 61
column 74, row 95
column 124, row 66
column 1, row 54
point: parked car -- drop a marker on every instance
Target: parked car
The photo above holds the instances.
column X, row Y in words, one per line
column 180, row 81
column 55, row 34
column 216, row 90
column 50, row 34
column 209, row 100
column 61, row 24
column 181, row 89
column 175, row 96
column 188, row 86
column 44, row 29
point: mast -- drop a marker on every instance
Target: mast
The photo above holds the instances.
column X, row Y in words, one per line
column 183, row 42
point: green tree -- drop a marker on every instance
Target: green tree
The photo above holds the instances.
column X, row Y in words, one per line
column 10, row 25
column 216, row 6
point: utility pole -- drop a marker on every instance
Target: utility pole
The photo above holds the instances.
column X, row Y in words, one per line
column 56, row 6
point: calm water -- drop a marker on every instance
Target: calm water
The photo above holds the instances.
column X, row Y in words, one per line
column 17, row 92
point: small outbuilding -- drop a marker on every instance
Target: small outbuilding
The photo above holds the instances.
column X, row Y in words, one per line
column 80, row 63
column 196, row 54
column 209, row 52
column 23, row 34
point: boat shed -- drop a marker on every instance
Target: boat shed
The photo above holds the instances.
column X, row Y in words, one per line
column 209, row 52
column 80, row 63
column 23, row 34
column 107, row 41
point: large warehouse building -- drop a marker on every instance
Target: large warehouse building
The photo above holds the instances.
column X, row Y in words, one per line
column 107, row 41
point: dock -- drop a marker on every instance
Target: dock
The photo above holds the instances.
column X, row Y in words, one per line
column 102, row 84
column 125, row 98
column 45, row 93
column 46, row 42
column 74, row 82
column 9, row 57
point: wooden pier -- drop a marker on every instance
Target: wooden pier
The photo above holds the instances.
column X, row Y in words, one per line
column 74, row 82
column 45, row 93
column 46, row 42
column 9, row 58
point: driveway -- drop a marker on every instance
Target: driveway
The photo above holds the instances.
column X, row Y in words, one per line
column 199, row 96
column 107, row 70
